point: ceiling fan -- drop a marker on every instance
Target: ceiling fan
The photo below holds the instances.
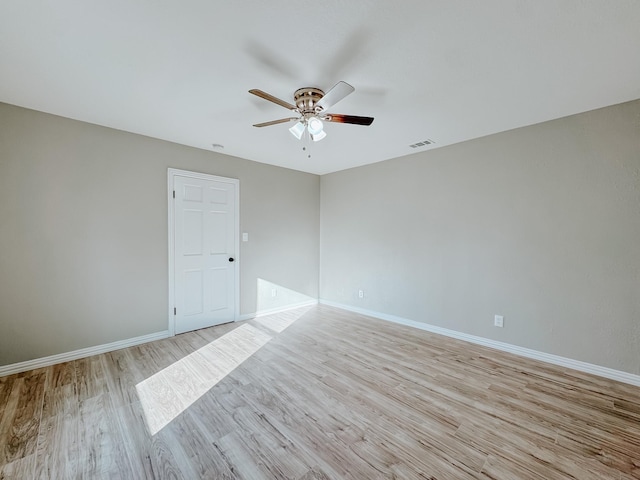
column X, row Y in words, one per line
column 311, row 105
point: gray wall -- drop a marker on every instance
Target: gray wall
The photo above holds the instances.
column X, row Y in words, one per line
column 83, row 232
column 540, row 224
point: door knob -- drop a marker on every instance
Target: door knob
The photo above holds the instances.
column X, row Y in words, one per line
column 231, row 259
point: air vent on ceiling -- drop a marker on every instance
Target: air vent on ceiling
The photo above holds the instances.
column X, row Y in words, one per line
column 422, row 143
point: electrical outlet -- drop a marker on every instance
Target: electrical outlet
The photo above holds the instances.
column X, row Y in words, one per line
column 274, row 292
column 498, row 321
column 360, row 293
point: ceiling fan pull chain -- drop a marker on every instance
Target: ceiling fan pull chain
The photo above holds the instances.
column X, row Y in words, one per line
column 307, row 143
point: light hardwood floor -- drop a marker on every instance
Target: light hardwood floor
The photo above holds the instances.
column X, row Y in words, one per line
column 316, row 393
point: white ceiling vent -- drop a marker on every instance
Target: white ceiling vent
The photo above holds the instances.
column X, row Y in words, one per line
column 422, row 143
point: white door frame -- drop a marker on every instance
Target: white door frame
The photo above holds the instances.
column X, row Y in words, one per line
column 173, row 172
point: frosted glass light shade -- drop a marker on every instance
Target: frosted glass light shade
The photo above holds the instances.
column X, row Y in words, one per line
column 315, row 126
column 297, row 130
column 316, row 137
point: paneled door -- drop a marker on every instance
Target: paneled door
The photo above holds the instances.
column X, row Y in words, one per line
column 205, row 247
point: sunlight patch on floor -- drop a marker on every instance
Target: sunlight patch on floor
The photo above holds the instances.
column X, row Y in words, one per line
column 171, row 391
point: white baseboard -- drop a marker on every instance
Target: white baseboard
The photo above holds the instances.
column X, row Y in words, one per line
column 270, row 311
column 82, row 353
column 110, row 347
column 505, row 347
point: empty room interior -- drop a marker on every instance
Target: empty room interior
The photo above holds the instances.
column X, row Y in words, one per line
column 328, row 240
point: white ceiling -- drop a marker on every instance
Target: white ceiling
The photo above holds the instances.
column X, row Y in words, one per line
column 447, row 70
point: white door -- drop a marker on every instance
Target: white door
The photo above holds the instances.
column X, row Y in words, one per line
column 205, row 236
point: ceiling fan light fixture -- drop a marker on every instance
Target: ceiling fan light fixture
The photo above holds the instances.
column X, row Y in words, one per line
column 311, row 106
column 315, row 126
column 316, row 137
column 297, row 130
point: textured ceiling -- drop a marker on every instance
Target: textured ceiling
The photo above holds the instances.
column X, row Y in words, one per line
column 447, row 70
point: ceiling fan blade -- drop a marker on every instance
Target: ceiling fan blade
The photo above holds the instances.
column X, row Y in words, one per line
column 333, row 96
column 275, row 122
column 273, row 99
column 337, row 118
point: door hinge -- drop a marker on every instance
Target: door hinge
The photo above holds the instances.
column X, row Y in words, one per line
column 174, row 310
column 174, row 194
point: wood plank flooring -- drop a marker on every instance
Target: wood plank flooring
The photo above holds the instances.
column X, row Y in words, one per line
column 316, row 394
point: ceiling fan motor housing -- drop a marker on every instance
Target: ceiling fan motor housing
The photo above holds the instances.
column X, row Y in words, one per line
column 306, row 99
